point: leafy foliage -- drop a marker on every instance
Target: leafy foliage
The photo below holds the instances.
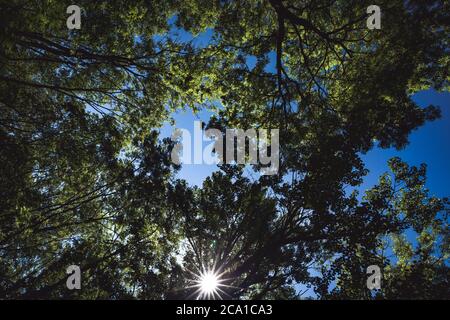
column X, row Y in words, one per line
column 86, row 180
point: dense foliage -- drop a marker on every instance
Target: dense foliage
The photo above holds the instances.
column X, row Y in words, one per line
column 85, row 179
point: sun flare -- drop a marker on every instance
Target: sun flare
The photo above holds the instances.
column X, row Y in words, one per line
column 208, row 284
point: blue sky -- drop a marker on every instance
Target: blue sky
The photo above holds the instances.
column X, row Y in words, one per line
column 429, row 144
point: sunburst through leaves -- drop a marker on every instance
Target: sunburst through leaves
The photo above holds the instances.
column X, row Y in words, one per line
column 209, row 284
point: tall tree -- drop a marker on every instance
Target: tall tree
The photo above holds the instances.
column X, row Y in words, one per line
column 85, row 179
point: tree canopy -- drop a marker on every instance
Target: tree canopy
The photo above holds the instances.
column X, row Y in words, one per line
column 85, row 178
